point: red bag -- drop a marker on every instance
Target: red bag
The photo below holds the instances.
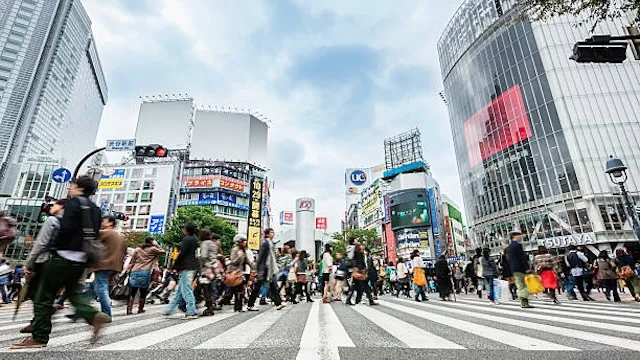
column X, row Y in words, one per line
column 156, row 275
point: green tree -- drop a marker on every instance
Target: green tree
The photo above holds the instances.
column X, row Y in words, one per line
column 134, row 238
column 369, row 238
column 204, row 218
column 595, row 11
column 338, row 243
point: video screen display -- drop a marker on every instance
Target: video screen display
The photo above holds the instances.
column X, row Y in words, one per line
column 497, row 126
column 409, row 214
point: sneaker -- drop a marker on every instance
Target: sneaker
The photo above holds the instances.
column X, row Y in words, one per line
column 252, row 308
column 26, row 330
column 190, row 317
column 28, row 343
column 263, row 302
column 280, row 307
column 98, row 323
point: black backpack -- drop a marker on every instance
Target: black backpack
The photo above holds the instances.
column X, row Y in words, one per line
column 574, row 261
column 91, row 244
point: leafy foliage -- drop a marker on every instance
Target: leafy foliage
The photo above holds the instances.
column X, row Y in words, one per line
column 369, row 238
column 593, row 11
column 203, row 218
column 134, row 238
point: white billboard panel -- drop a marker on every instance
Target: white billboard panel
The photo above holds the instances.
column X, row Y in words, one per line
column 165, row 122
column 229, row 137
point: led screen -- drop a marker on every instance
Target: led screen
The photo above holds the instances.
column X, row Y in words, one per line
column 497, row 126
column 414, row 213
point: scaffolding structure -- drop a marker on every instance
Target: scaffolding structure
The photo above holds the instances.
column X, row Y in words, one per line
column 402, row 149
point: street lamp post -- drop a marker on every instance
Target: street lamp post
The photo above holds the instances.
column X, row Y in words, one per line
column 618, row 174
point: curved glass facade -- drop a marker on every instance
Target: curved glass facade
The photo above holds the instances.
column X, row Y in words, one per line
column 521, row 164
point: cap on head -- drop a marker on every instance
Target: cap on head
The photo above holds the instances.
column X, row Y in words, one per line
column 239, row 238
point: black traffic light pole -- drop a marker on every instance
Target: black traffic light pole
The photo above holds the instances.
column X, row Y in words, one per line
column 77, row 169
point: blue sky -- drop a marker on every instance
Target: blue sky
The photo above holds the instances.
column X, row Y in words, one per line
column 334, row 77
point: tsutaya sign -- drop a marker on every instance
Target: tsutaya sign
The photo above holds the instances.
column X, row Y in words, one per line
column 565, row 241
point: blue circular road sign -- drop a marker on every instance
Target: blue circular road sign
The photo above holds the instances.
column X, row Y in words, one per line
column 61, row 175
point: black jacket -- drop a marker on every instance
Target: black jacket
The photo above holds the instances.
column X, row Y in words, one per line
column 506, row 267
column 371, row 267
column 517, row 258
column 70, row 236
column 442, row 269
column 187, row 258
column 263, row 257
column 358, row 261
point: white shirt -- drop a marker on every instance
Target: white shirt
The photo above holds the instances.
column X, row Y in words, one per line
column 327, row 263
column 417, row 262
column 402, row 270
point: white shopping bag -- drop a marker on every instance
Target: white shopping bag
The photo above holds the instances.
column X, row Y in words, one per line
column 505, row 293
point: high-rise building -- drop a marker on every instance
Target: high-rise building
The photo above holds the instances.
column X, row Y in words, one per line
column 52, row 89
column 532, row 130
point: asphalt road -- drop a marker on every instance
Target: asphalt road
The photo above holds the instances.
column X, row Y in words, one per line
column 396, row 329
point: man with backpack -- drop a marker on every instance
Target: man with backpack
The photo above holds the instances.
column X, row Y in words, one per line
column 577, row 261
column 75, row 247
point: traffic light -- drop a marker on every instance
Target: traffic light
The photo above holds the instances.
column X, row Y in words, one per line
column 120, row 216
column 600, row 49
column 152, row 150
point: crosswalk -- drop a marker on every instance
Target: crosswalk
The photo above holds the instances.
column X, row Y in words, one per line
column 323, row 331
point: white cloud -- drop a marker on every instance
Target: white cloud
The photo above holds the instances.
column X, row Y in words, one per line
column 248, row 49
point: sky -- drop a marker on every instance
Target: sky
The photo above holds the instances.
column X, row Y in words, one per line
column 335, row 78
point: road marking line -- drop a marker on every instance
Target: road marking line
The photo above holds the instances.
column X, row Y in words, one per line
column 557, row 310
column 243, row 334
column 158, row 336
column 409, row 334
column 502, row 310
column 309, row 349
column 565, row 307
column 505, row 337
column 572, row 333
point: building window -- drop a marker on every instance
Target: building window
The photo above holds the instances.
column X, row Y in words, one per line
column 134, row 185
column 142, row 224
column 148, row 185
column 132, row 197
column 118, row 198
column 146, row 197
column 143, row 210
column 130, row 210
column 150, row 172
column 136, row 173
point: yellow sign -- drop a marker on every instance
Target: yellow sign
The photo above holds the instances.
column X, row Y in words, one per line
column 111, row 184
column 254, row 237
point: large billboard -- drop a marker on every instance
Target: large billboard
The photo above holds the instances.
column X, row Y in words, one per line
column 214, row 181
column 410, row 214
column 408, row 240
column 165, row 122
column 321, row 223
column 237, row 136
column 500, row 124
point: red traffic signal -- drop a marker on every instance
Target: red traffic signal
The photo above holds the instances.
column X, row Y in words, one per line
column 152, row 150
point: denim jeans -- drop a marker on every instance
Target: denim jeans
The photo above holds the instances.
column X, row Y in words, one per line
column 184, row 292
column 571, row 284
column 3, row 292
column 264, row 290
column 100, row 289
column 492, row 289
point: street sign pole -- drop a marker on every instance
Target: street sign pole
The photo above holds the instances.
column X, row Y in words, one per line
column 85, row 158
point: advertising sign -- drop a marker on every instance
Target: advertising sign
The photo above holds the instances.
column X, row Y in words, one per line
column 498, row 126
column 255, row 213
column 559, row 242
column 434, row 211
column 356, row 179
column 410, row 214
column 214, row 198
column 198, row 181
column 286, row 217
column 111, row 179
column 232, row 184
column 390, row 241
column 321, row 223
column 156, row 224
column 408, row 240
column 306, row 204
column 121, row 145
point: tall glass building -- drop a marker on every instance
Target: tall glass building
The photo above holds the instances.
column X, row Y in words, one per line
column 532, row 129
column 52, row 88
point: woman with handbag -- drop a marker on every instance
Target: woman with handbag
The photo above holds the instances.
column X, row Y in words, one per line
column 140, row 267
column 546, row 267
column 301, row 276
column 361, row 283
column 626, row 271
column 234, row 276
column 419, row 278
column 607, row 275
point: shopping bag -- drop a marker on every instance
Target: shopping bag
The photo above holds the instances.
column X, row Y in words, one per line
column 497, row 291
column 505, row 293
column 418, row 277
column 534, row 284
column 122, row 289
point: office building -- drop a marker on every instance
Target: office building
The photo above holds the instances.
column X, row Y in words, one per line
column 52, row 89
column 533, row 130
